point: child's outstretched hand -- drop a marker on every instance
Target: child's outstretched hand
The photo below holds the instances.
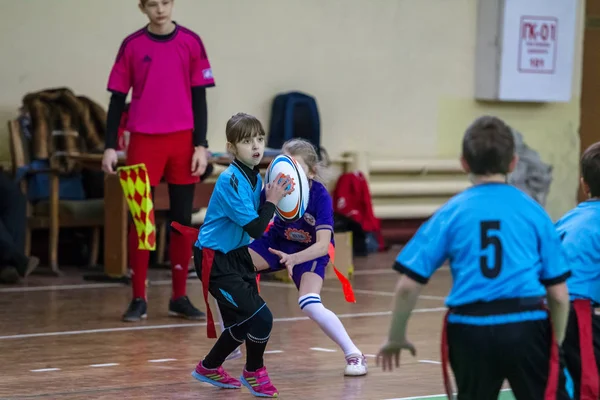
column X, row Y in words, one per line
column 288, row 259
column 390, row 351
column 277, row 190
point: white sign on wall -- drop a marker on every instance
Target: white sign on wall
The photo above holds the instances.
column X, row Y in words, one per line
column 538, row 45
column 525, row 50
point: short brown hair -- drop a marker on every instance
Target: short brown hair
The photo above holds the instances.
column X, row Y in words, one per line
column 243, row 126
column 143, row 2
column 590, row 168
column 488, row 146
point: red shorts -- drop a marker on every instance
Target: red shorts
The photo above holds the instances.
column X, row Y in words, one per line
column 169, row 155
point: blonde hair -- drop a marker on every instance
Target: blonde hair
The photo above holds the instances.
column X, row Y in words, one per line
column 305, row 149
column 243, row 126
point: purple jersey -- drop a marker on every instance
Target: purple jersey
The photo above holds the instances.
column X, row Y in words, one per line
column 303, row 233
column 296, row 236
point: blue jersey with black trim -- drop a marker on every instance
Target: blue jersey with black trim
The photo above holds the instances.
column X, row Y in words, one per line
column 499, row 242
column 579, row 230
column 233, row 204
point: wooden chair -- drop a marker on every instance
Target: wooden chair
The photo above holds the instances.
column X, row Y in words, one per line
column 53, row 214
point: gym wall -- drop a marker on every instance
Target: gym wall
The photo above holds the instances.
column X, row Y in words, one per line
column 393, row 77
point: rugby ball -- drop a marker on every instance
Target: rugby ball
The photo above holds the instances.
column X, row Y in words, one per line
column 293, row 205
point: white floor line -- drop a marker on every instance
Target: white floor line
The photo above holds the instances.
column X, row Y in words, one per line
column 162, row 360
column 360, row 291
column 273, row 351
column 196, row 324
column 323, row 350
column 357, row 291
column 421, row 361
column 160, row 282
column 77, row 286
column 430, row 362
column 165, row 282
column 104, row 365
column 45, row 370
column 427, row 297
column 382, row 271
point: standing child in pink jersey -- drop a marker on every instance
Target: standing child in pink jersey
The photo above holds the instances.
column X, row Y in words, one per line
column 166, row 67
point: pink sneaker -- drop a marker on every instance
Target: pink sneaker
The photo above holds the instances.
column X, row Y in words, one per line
column 217, row 377
column 259, row 383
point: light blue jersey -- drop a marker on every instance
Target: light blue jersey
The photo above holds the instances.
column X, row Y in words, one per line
column 233, row 204
column 499, row 242
column 579, row 230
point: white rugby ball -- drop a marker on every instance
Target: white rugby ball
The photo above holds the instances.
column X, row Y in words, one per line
column 293, row 205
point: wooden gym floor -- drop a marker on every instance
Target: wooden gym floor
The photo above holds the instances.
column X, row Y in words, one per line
column 62, row 338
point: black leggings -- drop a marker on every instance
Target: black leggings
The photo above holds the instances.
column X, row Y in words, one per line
column 181, row 202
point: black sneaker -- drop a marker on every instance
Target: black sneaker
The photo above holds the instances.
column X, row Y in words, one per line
column 8, row 274
column 136, row 311
column 183, row 307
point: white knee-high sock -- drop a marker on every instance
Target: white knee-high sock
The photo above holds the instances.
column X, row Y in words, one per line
column 311, row 305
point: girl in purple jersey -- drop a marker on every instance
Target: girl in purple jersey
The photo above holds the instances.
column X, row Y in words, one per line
column 302, row 247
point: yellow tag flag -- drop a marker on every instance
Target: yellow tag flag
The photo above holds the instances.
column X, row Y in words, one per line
column 136, row 187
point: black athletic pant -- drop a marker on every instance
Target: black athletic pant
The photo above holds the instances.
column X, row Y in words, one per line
column 232, row 282
column 13, row 221
column 482, row 357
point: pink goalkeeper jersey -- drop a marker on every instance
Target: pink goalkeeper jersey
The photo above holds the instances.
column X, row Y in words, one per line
column 161, row 74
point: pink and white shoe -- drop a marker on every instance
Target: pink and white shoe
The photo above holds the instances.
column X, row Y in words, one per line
column 259, row 383
column 217, row 377
column 356, row 365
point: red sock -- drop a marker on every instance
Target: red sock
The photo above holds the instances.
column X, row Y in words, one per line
column 180, row 253
column 138, row 262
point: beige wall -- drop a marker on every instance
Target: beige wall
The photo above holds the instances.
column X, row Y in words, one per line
column 394, row 77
